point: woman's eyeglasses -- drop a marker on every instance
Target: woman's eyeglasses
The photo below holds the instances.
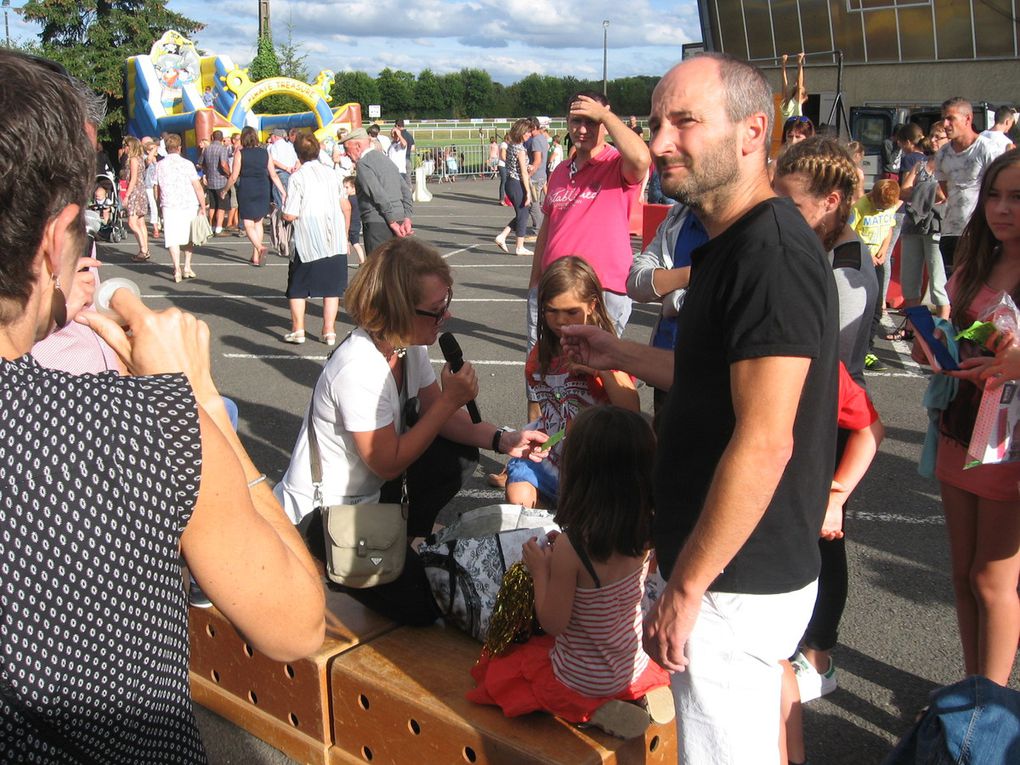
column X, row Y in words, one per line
column 437, row 316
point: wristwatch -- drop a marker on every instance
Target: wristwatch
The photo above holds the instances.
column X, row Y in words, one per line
column 497, row 437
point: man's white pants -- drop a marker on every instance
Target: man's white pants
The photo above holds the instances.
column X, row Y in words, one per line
column 727, row 699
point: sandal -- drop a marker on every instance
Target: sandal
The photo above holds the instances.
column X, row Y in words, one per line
column 141, row 257
column 189, row 274
column 177, row 275
column 902, row 332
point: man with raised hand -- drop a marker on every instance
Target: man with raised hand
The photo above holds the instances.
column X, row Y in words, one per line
column 747, row 433
column 588, row 202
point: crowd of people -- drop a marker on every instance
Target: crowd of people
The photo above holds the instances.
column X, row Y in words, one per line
column 770, row 274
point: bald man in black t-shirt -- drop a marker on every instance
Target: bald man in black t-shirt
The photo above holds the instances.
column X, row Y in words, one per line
column 748, row 430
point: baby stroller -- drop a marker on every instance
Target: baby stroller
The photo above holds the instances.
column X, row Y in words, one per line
column 106, row 203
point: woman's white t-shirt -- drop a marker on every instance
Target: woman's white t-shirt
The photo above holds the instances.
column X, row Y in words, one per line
column 355, row 393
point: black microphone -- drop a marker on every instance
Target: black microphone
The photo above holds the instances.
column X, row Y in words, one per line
column 455, row 358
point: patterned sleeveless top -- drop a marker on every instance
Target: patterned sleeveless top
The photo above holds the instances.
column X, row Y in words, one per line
column 513, row 166
column 98, row 478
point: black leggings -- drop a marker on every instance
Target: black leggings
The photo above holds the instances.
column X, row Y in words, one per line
column 432, row 481
column 519, row 223
column 833, row 587
column 823, row 630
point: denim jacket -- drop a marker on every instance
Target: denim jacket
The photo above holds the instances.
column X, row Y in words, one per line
column 972, row 722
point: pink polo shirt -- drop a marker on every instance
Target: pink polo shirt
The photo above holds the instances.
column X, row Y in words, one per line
column 588, row 216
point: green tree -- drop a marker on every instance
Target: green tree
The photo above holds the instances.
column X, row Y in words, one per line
column 291, row 57
column 631, row 95
column 429, row 99
column 504, row 103
column 265, row 65
column 355, row 88
column 453, row 94
column 478, row 93
column 396, row 91
column 91, row 38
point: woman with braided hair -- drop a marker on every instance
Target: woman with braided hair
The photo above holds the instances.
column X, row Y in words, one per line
column 820, row 178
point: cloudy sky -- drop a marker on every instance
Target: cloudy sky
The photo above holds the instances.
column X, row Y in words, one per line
column 509, row 39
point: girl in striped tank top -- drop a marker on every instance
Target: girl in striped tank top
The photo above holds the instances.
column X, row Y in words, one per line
column 590, row 666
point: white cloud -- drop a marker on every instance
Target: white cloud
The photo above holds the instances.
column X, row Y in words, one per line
column 508, row 38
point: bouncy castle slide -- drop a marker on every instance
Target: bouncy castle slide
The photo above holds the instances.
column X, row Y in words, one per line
column 167, row 91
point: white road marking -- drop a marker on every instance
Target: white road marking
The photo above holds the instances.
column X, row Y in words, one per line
column 462, row 249
column 916, row 520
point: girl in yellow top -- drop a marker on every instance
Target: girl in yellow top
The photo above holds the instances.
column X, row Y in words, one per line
column 873, row 218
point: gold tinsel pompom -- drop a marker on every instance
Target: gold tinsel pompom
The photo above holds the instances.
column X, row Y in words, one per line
column 511, row 616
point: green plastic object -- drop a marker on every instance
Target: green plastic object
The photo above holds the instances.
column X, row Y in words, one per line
column 978, row 332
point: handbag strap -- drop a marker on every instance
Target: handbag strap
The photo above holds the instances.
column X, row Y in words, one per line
column 315, row 456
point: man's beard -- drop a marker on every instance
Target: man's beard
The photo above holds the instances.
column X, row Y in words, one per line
column 714, row 170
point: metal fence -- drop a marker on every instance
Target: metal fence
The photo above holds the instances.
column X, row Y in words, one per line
column 475, row 131
column 448, row 163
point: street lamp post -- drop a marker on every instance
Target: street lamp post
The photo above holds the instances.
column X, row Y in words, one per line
column 605, row 55
column 7, row 26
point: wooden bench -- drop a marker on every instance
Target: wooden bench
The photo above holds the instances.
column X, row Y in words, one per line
column 287, row 705
column 399, row 700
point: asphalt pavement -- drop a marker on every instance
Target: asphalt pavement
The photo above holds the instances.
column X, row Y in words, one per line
column 899, row 637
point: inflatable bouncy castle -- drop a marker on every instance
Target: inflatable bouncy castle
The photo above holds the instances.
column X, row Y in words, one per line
column 175, row 90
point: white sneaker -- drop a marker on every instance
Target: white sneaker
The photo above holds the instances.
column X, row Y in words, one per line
column 812, row 684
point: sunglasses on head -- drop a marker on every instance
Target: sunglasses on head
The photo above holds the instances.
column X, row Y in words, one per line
column 795, row 120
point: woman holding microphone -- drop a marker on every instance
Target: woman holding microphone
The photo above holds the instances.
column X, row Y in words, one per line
column 379, row 412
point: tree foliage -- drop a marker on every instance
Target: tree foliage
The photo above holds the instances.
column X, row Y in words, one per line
column 396, row 92
column 265, row 64
column 428, row 95
column 292, row 57
column 453, row 95
column 479, row 93
column 355, row 88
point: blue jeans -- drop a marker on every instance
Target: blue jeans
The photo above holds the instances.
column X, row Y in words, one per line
column 284, row 177
column 972, row 721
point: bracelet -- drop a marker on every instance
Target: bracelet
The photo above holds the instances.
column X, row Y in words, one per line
column 497, row 437
column 256, row 481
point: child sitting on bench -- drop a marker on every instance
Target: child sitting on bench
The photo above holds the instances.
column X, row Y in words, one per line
column 589, row 581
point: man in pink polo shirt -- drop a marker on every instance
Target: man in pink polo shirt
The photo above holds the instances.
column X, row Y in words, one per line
column 588, row 202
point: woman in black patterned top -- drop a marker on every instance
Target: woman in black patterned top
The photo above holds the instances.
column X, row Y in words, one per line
column 106, row 481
